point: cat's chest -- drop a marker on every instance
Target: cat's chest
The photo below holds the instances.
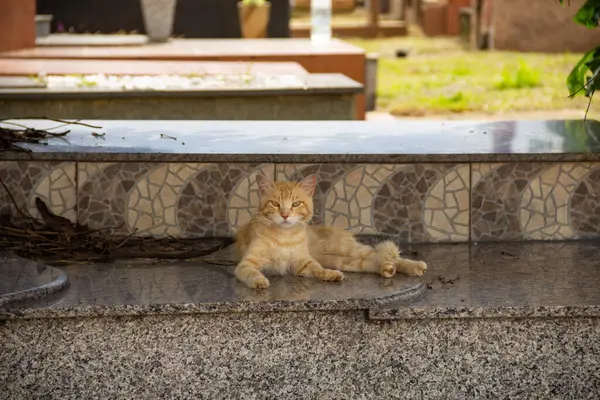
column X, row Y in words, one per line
column 283, row 256
column 288, row 252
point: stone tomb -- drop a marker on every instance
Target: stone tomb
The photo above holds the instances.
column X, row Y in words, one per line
column 155, row 90
column 504, row 213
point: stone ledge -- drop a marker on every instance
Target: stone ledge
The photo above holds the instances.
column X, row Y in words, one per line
column 159, row 194
column 323, row 141
column 149, row 287
column 488, row 281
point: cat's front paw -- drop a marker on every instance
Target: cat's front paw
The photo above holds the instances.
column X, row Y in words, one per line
column 331, row 275
column 259, row 282
column 388, row 270
column 418, row 268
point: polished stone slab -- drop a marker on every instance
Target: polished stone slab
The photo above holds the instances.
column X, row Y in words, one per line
column 141, row 287
column 504, row 280
column 324, row 141
column 22, row 279
column 492, row 280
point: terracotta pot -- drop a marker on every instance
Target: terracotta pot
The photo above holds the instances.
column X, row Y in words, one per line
column 254, row 20
column 159, row 16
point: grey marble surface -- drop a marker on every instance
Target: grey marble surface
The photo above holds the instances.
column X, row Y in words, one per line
column 501, row 280
column 299, row 85
column 330, row 141
column 299, row 355
column 25, row 279
column 492, row 280
column 143, row 287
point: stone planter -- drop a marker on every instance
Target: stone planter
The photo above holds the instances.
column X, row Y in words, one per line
column 254, row 20
column 42, row 25
column 158, row 18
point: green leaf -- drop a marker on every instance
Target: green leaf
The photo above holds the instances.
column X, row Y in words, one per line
column 593, row 82
column 576, row 79
column 589, row 14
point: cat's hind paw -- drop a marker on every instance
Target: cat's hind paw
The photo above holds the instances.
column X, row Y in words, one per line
column 388, row 269
column 410, row 267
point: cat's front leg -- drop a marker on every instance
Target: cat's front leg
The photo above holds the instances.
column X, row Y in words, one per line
column 248, row 272
column 309, row 267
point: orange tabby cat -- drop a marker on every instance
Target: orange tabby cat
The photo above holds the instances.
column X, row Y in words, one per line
column 279, row 239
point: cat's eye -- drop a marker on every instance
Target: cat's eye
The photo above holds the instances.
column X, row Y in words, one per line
column 296, row 204
column 274, row 203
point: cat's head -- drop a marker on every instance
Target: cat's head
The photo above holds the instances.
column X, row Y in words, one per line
column 287, row 204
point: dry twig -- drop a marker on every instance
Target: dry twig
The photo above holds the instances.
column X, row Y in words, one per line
column 11, row 137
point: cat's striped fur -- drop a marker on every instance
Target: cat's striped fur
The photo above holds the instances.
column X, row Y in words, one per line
column 279, row 239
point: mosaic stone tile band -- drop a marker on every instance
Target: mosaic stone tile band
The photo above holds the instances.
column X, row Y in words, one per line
column 172, row 199
column 535, row 201
column 414, row 202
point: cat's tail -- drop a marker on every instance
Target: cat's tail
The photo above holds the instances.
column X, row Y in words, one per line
column 388, row 251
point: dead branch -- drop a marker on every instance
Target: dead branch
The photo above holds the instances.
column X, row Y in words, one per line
column 57, row 241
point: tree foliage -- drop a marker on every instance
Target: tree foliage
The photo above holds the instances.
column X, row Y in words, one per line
column 582, row 79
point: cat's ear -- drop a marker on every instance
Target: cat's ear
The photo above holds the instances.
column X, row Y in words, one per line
column 264, row 184
column 309, row 184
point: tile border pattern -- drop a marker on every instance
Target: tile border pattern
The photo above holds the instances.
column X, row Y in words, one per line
column 440, row 202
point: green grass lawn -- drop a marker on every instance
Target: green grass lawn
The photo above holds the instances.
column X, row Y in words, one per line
column 440, row 77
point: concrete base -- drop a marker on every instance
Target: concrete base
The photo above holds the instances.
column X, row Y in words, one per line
column 266, row 107
column 300, row 355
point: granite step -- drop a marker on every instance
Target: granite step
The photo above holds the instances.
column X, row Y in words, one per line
column 522, row 318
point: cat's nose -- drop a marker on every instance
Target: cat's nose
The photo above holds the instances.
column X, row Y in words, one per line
column 285, row 216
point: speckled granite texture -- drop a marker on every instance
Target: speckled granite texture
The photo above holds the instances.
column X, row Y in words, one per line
column 301, row 355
